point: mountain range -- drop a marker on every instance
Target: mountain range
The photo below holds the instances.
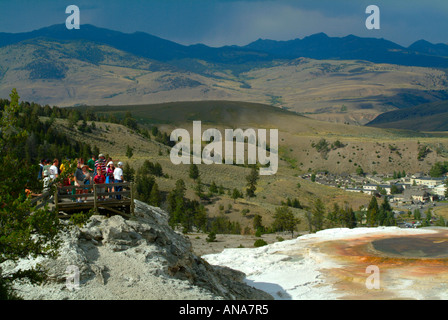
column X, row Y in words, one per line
column 318, row 46
column 347, row 79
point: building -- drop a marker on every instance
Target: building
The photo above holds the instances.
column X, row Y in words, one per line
column 427, row 181
column 439, row 190
column 416, row 195
column 353, row 190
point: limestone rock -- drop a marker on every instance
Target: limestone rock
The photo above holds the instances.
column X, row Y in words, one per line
column 140, row 258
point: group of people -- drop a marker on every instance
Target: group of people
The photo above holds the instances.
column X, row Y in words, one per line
column 95, row 171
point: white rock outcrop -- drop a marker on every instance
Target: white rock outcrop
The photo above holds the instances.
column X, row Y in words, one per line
column 136, row 259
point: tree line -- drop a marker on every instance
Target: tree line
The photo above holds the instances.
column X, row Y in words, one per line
column 320, row 218
column 77, row 118
column 42, row 140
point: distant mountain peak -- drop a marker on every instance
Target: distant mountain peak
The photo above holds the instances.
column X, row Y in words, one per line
column 316, row 46
column 320, row 35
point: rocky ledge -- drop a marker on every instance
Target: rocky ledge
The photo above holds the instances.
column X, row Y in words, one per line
column 137, row 259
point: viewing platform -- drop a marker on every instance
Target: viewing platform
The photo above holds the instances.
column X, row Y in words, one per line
column 67, row 200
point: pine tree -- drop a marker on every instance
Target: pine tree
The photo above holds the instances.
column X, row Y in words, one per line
column 350, row 218
column 221, row 189
column 194, row 171
column 284, row 220
column 333, row 215
column 252, row 179
column 176, row 203
column 155, row 198
column 257, row 222
column 372, row 212
column 235, row 194
column 129, row 152
column 22, row 234
column 417, row 214
column 385, row 215
column 296, row 204
column 128, row 173
column 200, row 218
column 213, row 188
column 199, row 188
column 318, row 212
column 143, row 186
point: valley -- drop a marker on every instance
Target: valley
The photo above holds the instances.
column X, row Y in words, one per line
column 348, row 149
column 55, row 68
column 359, row 126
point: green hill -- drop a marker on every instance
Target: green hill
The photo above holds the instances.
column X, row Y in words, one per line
column 426, row 117
column 222, row 113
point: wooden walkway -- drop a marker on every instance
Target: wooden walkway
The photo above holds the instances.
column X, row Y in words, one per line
column 99, row 197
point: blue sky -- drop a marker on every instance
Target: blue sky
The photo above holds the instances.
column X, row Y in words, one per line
column 238, row 22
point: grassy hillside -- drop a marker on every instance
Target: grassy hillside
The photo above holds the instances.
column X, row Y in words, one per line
column 68, row 73
column 371, row 148
column 367, row 147
column 426, row 117
column 113, row 139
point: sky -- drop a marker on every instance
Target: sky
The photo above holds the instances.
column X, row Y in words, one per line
column 238, row 22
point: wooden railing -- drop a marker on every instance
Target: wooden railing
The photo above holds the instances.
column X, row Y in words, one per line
column 64, row 197
column 91, row 195
column 41, row 200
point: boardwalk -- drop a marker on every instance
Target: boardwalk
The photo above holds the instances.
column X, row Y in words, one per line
column 66, row 202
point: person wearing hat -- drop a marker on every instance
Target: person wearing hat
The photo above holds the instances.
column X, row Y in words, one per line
column 118, row 177
column 110, row 175
column 101, row 162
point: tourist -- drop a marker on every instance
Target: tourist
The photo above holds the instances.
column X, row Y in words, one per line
column 100, row 178
column 62, row 166
column 118, row 177
column 79, row 180
column 47, row 166
column 54, row 170
column 91, row 164
column 110, row 176
column 41, row 169
column 101, row 162
column 87, row 179
column 67, row 182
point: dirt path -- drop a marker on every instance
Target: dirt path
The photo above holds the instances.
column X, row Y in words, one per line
column 224, row 241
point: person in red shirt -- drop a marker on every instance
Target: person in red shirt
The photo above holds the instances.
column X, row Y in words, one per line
column 100, row 178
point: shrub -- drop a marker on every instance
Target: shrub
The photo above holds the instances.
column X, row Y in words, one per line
column 260, row 243
column 211, row 237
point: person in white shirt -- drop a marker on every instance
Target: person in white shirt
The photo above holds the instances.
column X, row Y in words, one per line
column 118, row 177
column 54, row 170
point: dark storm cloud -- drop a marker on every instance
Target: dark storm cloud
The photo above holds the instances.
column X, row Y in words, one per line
column 226, row 22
